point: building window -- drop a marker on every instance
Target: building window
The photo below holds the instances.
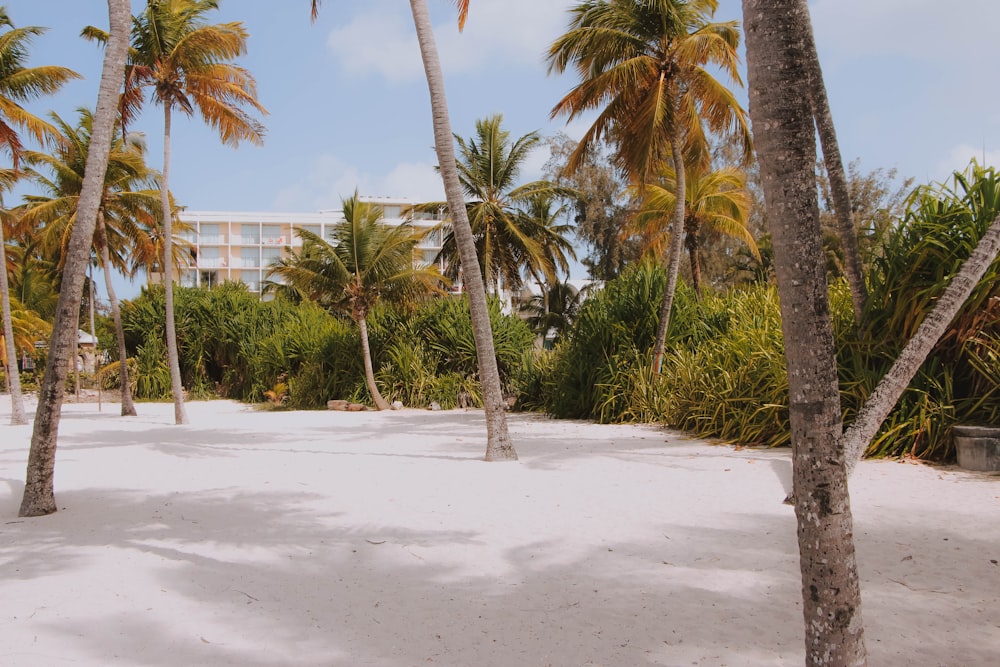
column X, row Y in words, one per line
column 271, row 255
column 250, row 257
column 251, row 279
column 249, row 234
column 271, row 235
column 210, row 234
column 209, row 278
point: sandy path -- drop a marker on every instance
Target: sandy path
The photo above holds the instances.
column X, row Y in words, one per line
column 322, row 538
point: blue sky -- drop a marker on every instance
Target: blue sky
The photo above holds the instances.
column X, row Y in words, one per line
column 910, row 86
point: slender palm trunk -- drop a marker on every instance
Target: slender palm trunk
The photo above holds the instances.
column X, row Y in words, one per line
column 784, row 134
column 380, row 403
column 93, row 335
column 17, row 415
column 842, row 208
column 39, row 495
column 691, row 243
column 498, row 443
column 128, row 406
column 676, row 249
column 173, row 359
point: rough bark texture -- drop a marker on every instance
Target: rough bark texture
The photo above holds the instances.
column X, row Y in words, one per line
column 173, row 359
column 498, row 443
column 128, row 405
column 675, row 253
column 784, row 134
column 380, row 403
column 841, row 194
column 883, row 399
column 39, row 495
column 17, row 414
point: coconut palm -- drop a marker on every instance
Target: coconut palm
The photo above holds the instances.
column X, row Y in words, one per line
column 185, row 62
column 717, row 204
column 553, row 311
column 498, row 444
column 365, row 262
column 128, row 215
column 19, row 84
column 515, row 231
column 643, row 65
column 39, row 496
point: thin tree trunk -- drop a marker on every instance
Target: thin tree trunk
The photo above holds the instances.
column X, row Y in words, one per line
column 498, row 443
column 784, row 134
column 842, row 207
column 676, row 249
column 691, row 243
column 93, row 335
column 39, row 495
column 366, row 353
column 17, row 414
column 883, row 399
column 173, row 359
column 128, row 406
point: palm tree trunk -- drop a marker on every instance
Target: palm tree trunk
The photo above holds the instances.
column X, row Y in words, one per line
column 691, row 243
column 784, row 134
column 128, row 406
column 498, row 443
column 17, row 414
column 842, row 208
column 676, row 249
column 883, row 399
column 39, row 495
column 366, row 353
column 173, row 359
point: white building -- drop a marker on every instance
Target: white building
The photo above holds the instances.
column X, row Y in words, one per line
column 241, row 246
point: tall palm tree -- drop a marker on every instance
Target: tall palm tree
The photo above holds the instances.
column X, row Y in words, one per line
column 39, row 496
column 498, row 443
column 365, row 262
column 643, row 64
column 514, row 235
column 186, row 63
column 18, row 84
column 717, row 203
column 128, row 216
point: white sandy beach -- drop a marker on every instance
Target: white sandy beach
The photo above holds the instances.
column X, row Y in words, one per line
column 329, row 538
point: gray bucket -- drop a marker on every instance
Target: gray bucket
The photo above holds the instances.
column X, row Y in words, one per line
column 978, row 447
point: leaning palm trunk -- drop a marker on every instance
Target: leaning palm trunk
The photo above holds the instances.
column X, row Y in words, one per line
column 498, row 443
column 675, row 252
column 173, row 359
column 17, row 415
column 39, row 496
column 883, row 399
column 380, row 403
column 784, row 134
column 128, row 406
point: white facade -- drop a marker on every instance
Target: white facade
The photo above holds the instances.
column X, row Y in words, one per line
column 241, row 246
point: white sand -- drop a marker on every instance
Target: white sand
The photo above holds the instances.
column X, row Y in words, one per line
column 328, row 538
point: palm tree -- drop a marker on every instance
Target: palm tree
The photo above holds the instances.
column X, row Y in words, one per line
column 643, row 64
column 127, row 219
column 186, row 63
column 553, row 311
column 498, row 444
column 19, row 84
column 365, row 262
column 39, row 496
column 513, row 226
column 717, row 203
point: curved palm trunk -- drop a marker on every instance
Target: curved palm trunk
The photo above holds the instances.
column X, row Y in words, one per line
column 17, row 415
column 784, row 134
column 173, row 359
column 128, row 406
column 39, row 496
column 842, row 208
column 676, row 249
column 498, row 444
column 380, row 403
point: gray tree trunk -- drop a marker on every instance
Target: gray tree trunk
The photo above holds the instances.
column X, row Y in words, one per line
column 366, row 353
column 173, row 359
column 39, row 495
column 843, row 210
column 858, row 436
column 128, row 405
column 676, row 249
column 17, row 414
column 498, row 443
column 784, row 134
